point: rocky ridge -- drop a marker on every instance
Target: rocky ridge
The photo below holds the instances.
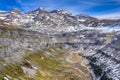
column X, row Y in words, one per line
column 61, row 20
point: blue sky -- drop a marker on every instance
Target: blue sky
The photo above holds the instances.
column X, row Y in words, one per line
column 91, row 7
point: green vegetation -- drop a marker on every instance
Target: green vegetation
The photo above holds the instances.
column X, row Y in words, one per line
column 4, row 47
column 12, row 70
column 45, row 62
column 1, row 61
column 48, row 67
column 32, row 42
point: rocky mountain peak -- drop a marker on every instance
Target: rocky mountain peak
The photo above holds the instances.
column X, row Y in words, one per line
column 61, row 11
column 16, row 10
column 85, row 16
column 41, row 10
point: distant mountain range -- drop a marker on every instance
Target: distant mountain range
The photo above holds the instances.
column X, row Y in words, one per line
column 54, row 21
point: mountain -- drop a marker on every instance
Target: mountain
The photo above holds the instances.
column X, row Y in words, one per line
column 56, row 20
column 39, row 44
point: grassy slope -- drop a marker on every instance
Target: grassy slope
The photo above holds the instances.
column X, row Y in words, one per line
column 50, row 67
column 50, row 61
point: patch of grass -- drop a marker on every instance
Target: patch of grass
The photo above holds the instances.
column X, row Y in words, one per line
column 13, row 70
column 27, row 51
column 2, row 60
column 48, row 67
column 32, row 42
column 4, row 47
column 45, row 62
